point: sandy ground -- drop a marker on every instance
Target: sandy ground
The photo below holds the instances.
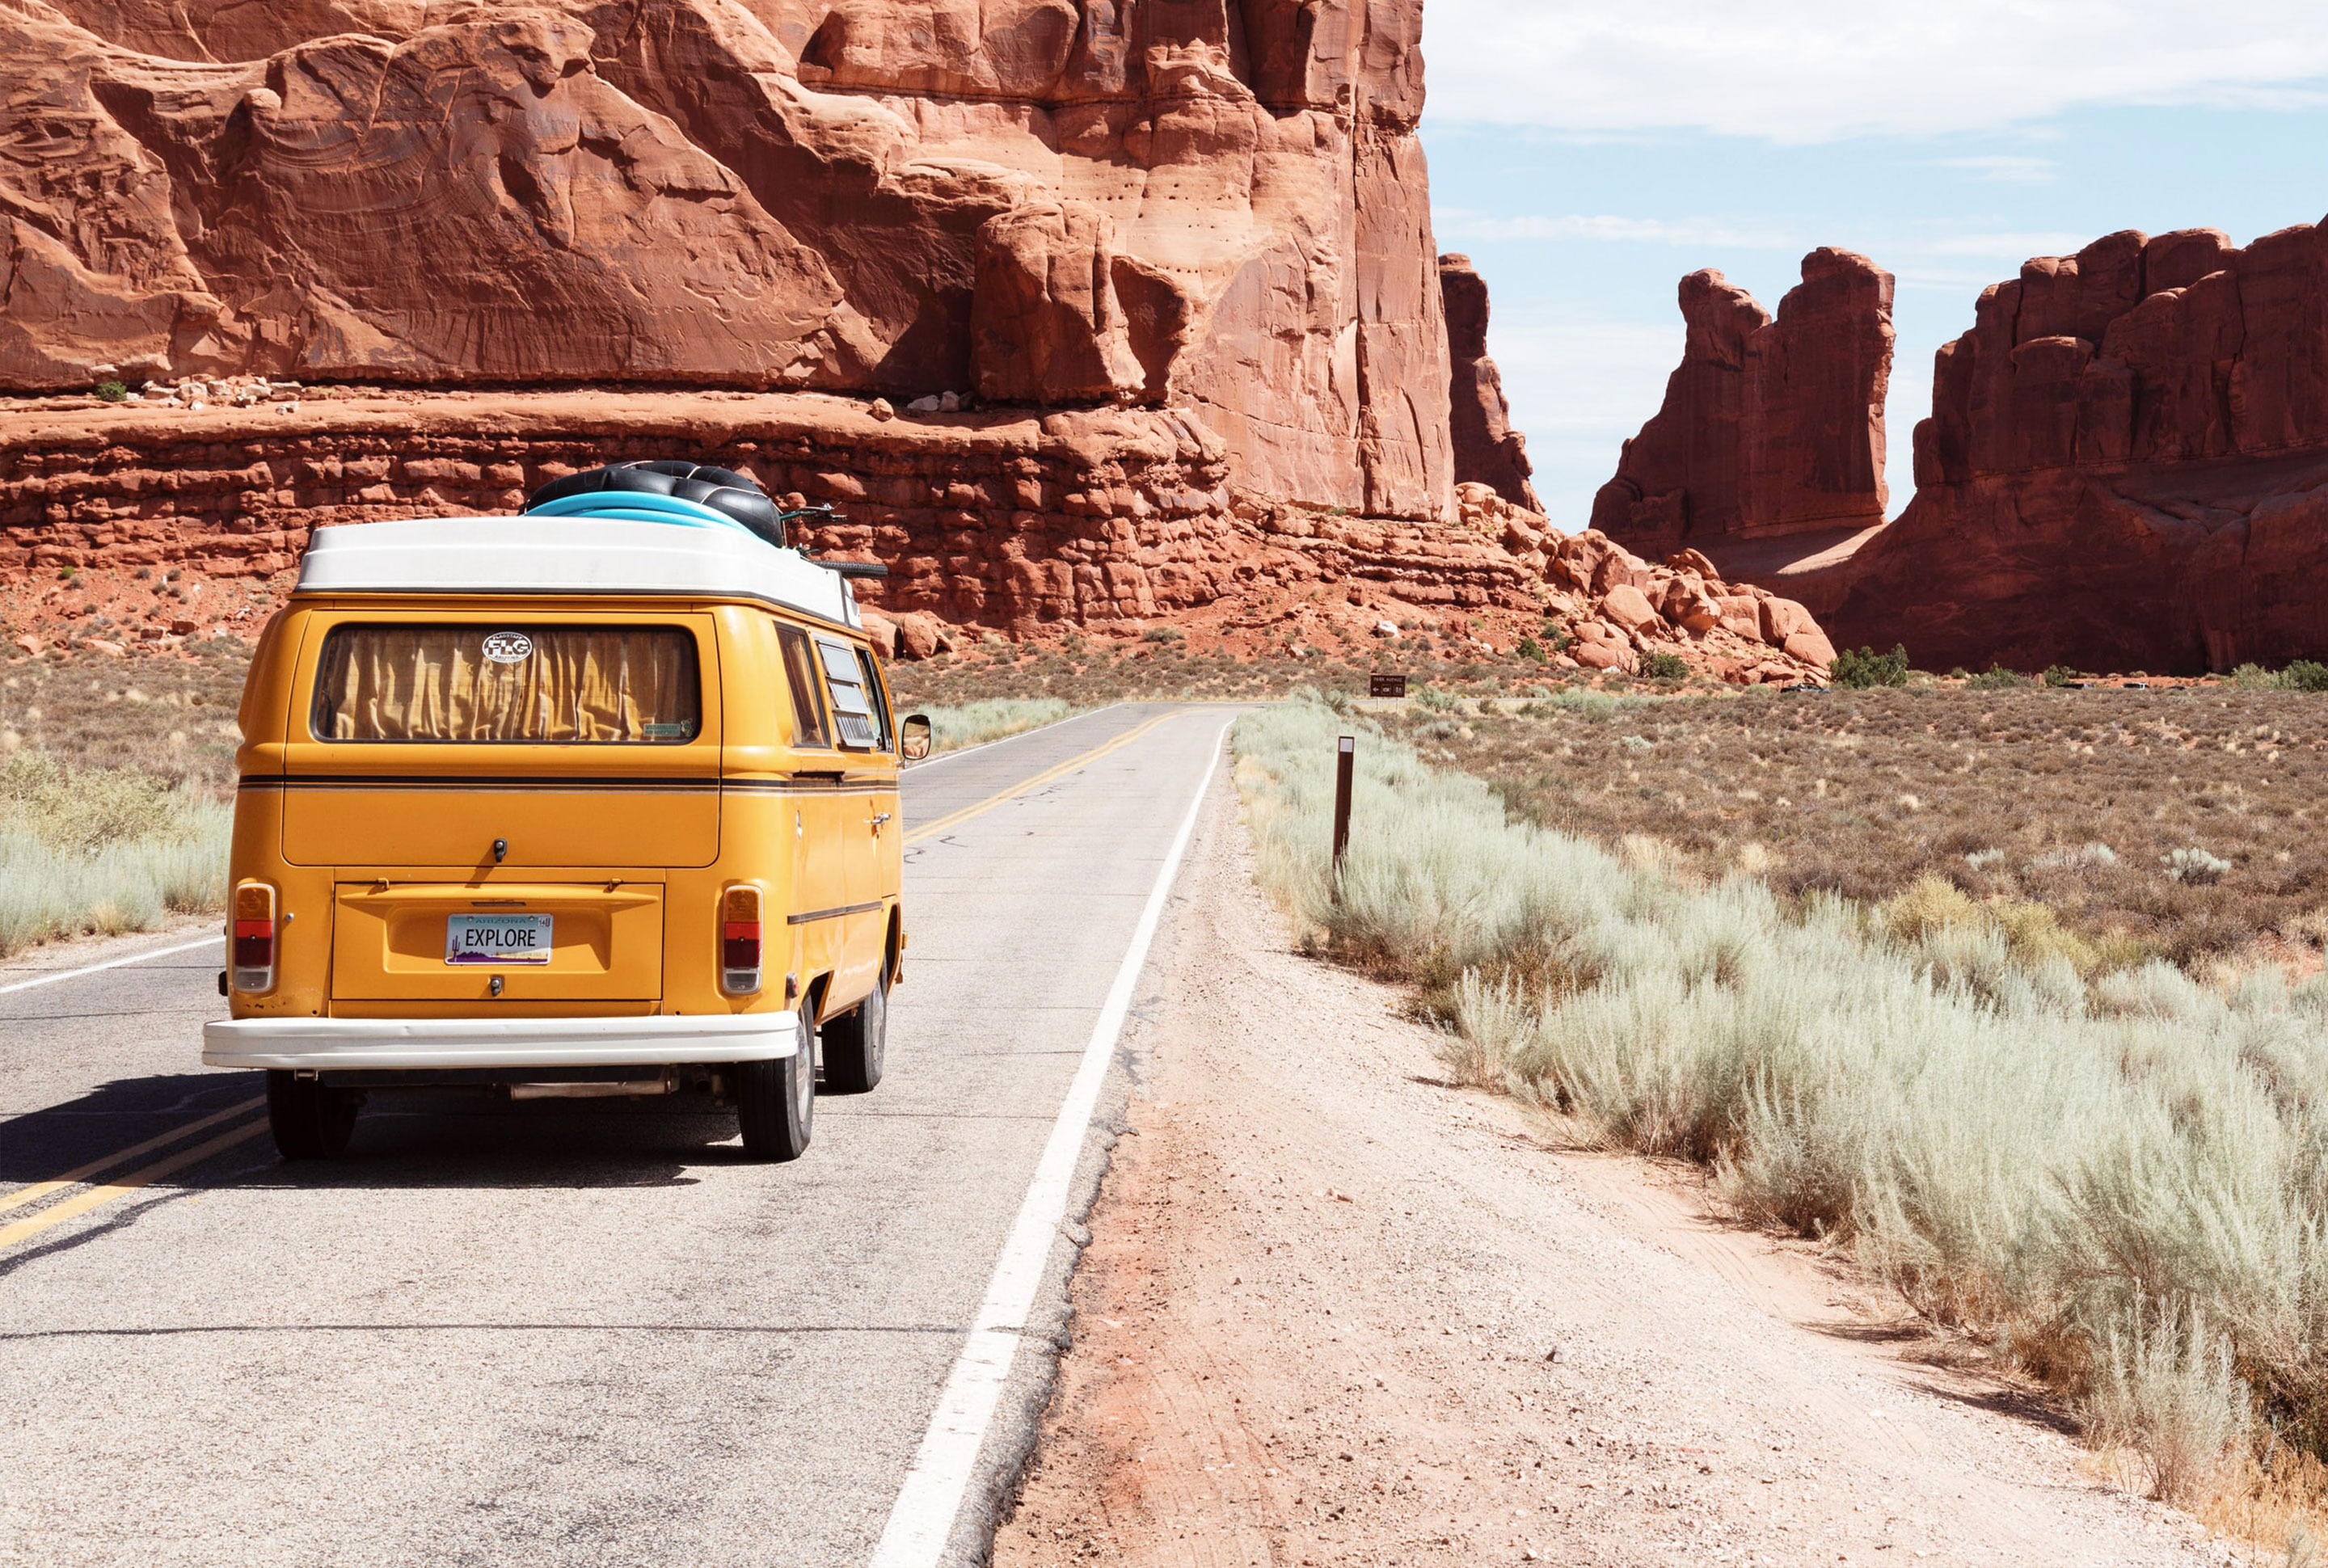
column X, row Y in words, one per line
column 1336, row 1311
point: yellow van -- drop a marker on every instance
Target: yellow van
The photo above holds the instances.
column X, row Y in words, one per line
column 597, row 799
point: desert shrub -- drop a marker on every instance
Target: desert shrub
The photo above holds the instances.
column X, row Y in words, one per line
column 111, row 391
column 1164, row 634
column 2085, row 857
column 2305, row 675
column 97, row 849
column 2164, row 1388
column 2194, row 865
column 1663, row 666
column 2119, row 1182
column 2060, row 676
column 1529, row 648
column 1867, row 669
column 1997, row 678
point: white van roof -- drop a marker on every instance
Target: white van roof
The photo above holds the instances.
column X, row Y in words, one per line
column 567, row 555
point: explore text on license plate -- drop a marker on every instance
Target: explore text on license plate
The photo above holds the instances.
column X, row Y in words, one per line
column 497, row 938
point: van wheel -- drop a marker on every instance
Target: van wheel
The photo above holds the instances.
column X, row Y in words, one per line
column 776, row 1101
column 856, row 1044
column 309, row 1121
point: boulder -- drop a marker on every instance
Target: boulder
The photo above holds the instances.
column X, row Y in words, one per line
column 922, row 636
column 1628, row 609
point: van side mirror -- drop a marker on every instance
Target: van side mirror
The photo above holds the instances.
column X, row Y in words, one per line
column 914, row 736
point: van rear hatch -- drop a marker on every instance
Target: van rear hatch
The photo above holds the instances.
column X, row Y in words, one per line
column 425, row 742
column 439, row 942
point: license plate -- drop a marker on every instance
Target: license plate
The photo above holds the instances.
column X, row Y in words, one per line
column 499, row 939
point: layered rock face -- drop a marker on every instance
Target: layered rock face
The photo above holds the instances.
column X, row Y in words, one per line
column 1025, row 521
column 1219, row 207
column 1488, row 450
column 1769, row 425
column 2127, row 466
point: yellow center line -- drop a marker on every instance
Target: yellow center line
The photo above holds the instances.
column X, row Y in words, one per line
column 98, row 1196
column 40, row 1189
column 1047, row 775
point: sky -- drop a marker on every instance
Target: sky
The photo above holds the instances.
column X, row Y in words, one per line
column 1587, row 156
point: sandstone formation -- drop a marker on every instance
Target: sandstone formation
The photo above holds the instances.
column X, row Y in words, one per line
column 1023, row 521
column 1488, row 450
column 2125, row 468
column 1029, row 523
column 1769, row 426
column 1221, row 208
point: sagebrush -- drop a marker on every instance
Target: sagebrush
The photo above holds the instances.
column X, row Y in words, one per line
column 100, row 851
column 2122, row 1184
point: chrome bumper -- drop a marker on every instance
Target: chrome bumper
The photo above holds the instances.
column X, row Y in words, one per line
column 519, row 1044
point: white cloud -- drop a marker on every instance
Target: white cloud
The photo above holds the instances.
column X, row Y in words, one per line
column 1805, row 71
column 2017, row 170
column 1906, row 252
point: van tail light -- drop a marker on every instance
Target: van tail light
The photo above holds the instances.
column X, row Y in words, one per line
column 253, row 937
column 740, row 942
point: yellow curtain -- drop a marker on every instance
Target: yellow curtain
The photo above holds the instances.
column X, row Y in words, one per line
column 574, row 684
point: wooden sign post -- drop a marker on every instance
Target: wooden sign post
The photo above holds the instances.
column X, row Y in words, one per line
column 1346, row 758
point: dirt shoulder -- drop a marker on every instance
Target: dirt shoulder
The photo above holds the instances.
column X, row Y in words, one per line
column 1335, row 1311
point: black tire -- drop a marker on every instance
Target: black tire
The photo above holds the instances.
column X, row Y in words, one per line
column 309, row 1121
column 857, row 1044
column 776, row 1101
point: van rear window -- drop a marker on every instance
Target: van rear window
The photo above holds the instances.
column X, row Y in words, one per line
column 502, row 683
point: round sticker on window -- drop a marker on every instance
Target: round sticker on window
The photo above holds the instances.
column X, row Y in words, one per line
column 509, row 647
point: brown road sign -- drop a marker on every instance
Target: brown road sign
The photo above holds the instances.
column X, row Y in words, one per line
column 1386, row 686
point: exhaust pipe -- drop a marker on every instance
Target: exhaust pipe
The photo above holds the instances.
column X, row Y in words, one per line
column 646, row 1086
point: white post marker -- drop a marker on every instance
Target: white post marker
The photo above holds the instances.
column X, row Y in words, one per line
column 924, row 1515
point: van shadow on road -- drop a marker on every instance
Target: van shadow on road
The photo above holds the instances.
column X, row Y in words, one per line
column 403, row 1140
column 42, row 1145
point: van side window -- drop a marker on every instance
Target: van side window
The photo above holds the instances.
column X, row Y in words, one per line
column 800, row 672
column 852, row 707
column 881, row 698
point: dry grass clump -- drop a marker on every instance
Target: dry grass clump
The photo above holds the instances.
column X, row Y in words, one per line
column 976, row 723
column 97, row 849
column 2185, row 823
column 2120, row 1183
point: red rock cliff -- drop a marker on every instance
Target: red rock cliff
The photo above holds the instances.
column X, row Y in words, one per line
column 1217, row 206
column 2125, row 467
column 1769, row 427
column 1488, row 450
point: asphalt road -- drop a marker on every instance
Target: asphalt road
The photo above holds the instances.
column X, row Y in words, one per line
column 559, row 1332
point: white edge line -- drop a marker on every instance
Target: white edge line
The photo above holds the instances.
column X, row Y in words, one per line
column 64, row 974
column 922, row 1517
column 914, row 767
